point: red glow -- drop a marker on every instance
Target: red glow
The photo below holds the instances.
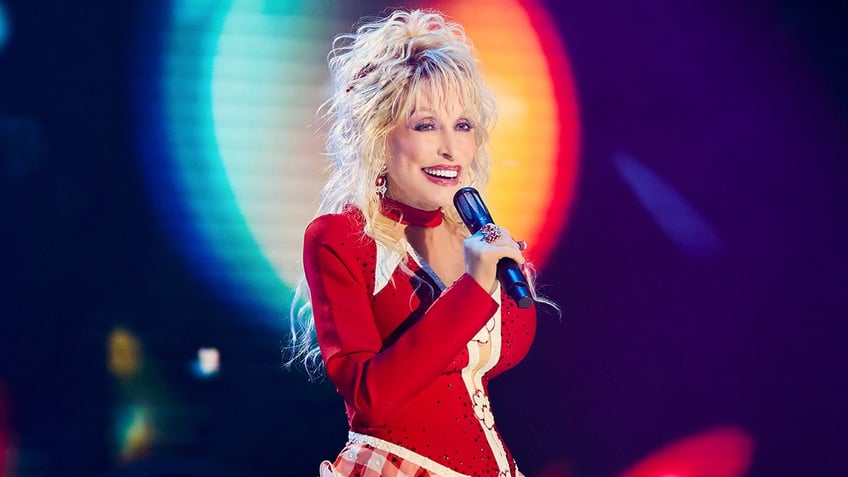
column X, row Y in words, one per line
column 719, row 452
column 6, row 437
column 557, row 469
column 568, row 114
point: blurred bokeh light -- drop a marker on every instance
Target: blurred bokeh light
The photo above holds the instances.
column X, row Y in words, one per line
column 5, row 26
column 234, row 158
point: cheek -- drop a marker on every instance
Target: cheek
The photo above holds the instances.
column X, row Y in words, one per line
column 469, row 148
column 395, row 154
column 401, row 163
column 395, row 166
column 409, row 151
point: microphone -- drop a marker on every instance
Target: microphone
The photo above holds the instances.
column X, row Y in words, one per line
column 475, row 215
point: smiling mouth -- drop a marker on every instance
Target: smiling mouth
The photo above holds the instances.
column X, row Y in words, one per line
column 441, row 173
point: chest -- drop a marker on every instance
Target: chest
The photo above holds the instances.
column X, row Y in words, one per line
column 442, row 252
column 406, row 298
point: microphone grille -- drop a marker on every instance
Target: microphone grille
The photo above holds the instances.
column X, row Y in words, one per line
column 471, row 208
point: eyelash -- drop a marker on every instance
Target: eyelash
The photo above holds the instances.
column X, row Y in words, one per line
column 464, row 126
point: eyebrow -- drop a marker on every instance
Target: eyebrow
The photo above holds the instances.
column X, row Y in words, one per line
column 428, row 111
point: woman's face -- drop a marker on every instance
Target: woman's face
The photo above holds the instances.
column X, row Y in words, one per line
column 430, row 154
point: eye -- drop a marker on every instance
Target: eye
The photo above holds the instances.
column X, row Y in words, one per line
column 464, row 126
column 424, row 126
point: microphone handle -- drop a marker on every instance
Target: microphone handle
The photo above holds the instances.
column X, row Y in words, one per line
column 513, row 281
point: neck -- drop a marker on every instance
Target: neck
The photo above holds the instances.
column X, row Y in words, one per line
column 408, row 215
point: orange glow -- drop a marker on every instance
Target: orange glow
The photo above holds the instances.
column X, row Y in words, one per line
column 124, row 353
column 534, row 147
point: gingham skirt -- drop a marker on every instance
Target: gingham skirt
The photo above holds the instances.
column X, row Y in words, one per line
column 366, row 456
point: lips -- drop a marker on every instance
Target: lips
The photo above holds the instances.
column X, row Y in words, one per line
column 445, row 173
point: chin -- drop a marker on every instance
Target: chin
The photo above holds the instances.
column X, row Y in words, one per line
column 430, row 198
column 445, row 201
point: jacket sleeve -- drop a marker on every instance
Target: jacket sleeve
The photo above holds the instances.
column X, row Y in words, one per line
column 373, row 380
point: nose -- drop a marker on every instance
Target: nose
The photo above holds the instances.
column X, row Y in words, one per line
column 446, row 146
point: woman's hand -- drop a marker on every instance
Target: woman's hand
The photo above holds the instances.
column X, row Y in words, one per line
column 485, row 249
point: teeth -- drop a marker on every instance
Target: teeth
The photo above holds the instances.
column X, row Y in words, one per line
column 446, row 173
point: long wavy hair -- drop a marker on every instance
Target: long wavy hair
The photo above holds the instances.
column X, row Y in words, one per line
column 378, row 73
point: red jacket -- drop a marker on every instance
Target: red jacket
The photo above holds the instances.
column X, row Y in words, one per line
column 412, row 363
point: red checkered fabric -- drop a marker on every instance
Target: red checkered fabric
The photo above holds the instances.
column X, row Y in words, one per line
column 362, row 460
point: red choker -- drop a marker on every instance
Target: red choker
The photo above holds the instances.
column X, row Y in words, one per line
column 409, row 215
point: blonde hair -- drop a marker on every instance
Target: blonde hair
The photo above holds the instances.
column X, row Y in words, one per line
column 378, row 73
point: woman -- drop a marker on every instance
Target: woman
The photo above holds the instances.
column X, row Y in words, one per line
column 410, row 321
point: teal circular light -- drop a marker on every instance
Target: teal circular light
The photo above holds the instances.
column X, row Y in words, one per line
column 5, row 26
column 227, row 93
column 227, row 101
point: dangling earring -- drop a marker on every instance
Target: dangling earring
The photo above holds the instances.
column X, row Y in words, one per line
column 380, row 184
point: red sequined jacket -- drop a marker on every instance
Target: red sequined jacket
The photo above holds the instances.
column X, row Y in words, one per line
column 412, row 362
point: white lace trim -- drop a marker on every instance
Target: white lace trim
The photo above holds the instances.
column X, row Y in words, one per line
column 403, row 453
column 474, row 385
column 387, row 262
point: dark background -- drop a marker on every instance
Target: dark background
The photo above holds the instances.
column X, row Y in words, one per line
column 742, row 106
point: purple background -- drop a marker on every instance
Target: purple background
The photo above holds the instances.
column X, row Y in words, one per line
column 741, row 110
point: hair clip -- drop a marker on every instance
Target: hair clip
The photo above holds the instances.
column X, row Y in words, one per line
column 362, row 73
